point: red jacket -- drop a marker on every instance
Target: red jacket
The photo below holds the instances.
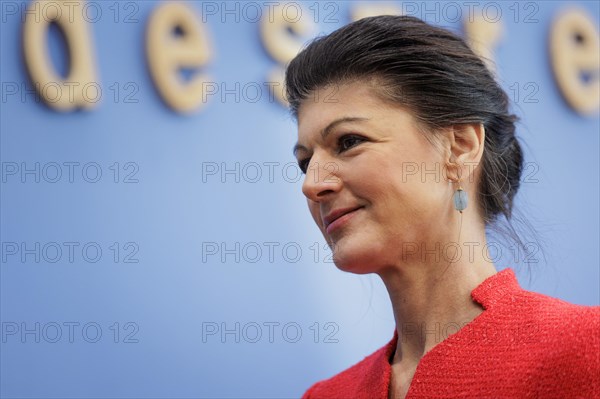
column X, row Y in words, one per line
column 523, row 345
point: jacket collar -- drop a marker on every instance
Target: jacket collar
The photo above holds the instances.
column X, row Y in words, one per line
column 497, row 288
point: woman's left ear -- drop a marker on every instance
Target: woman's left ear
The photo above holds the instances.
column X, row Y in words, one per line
column 466, row 144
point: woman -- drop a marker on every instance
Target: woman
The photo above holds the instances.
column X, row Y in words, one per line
column 410, row 153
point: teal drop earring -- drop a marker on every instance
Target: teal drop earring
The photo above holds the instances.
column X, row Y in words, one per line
column 461, row 199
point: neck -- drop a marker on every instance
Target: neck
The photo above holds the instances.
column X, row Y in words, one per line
column 431, row 300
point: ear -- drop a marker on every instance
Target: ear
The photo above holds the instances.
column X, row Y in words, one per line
column 466, row 148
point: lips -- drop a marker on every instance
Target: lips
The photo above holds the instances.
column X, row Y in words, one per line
column 337, row 213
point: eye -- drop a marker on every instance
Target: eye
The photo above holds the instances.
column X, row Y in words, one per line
column 348, row 141
column 303, row 164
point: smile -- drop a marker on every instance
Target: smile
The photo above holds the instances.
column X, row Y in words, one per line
column 340, row 220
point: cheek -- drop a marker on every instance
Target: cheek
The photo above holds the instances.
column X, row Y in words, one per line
column 403, row 189
column 384, row 178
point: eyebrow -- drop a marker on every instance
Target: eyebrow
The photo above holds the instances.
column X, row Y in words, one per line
column 325, row 132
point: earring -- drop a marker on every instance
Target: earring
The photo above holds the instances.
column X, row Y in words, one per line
column 461, row 199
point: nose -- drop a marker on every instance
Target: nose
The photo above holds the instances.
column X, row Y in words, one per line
column 322, row 179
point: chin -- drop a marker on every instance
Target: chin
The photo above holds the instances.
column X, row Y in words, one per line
column 356, row 259
column 358, row 250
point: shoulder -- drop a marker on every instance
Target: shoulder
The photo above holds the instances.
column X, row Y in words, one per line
column 554, row 343
column 362, row 380
column 552, row 320
column 563, row 341
column 509, row 302
column 556, row 314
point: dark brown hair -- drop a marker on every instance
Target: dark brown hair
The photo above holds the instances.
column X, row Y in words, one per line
column 434, row 73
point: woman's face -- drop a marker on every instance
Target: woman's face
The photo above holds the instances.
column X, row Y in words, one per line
column 375, row 185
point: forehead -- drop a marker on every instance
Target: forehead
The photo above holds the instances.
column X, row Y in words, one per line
column 335, row 99
column 350, row 100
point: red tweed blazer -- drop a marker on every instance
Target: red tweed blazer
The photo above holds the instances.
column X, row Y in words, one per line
column 523, row 345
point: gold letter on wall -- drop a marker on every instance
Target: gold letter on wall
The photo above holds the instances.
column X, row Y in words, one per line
column 175, row 39
column 74, row 91
column 574, row 44
column 482, row 35
column 365, row 10
column 275, row 28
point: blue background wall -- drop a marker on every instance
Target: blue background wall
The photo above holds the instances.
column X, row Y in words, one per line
column 164, row 213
